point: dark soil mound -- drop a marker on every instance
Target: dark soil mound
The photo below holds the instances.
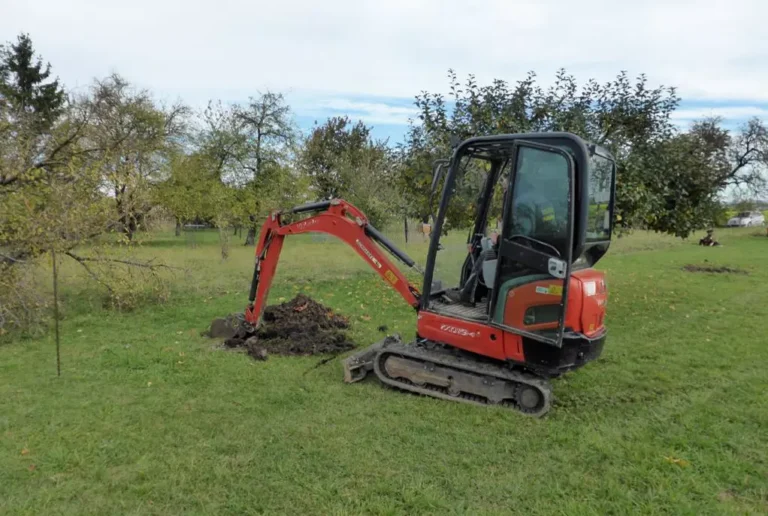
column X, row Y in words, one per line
column 715, row 270
column 300, row 326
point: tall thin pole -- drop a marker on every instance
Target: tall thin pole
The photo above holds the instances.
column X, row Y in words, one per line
column 56, row 312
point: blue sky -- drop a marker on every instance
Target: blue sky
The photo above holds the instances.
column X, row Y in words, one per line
column 369, row 58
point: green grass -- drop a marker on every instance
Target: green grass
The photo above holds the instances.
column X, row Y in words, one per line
column 149, row 418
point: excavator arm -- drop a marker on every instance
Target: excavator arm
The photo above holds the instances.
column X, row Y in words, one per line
column 340, row 219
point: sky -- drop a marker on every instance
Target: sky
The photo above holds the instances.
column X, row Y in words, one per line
column 368, row 59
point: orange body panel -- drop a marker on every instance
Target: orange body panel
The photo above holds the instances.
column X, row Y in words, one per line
column 585, row 311
column 469, row 336
column 585, row 314
column 542, row 293
column 594, row 300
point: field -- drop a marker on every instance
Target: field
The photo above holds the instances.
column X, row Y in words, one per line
column 149, row 417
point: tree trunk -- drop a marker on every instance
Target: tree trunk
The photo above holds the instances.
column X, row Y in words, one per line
column 405, row 228
column 224, row 241
column 250, row 239
column 129, row 230
column 178, row 227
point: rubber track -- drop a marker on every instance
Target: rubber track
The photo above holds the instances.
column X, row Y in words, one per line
column 444, row 358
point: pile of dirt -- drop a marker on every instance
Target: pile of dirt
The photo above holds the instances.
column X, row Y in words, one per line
column 301, row 326
column 713, row 269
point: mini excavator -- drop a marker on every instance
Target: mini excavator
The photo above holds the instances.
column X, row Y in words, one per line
column 527, row 304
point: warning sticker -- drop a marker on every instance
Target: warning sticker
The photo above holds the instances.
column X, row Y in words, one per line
column 552, row 290
column 391, row 277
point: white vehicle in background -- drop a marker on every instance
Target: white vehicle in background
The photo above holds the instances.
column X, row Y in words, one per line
column 747, row 219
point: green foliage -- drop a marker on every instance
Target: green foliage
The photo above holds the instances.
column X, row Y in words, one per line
column 23, row 309
column 342, row 160
column 56, row 158
column 131, row 137
column 269, row 130
column 667, row 181
column 24, row 83
column 745, row 205
column 336, row 144
column 625, row 116
column 188, row 192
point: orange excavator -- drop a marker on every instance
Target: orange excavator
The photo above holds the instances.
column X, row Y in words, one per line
column 526, row 303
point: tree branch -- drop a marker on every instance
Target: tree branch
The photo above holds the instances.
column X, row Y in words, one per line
column 145, row 265
column 90, row 272
column 11, row 259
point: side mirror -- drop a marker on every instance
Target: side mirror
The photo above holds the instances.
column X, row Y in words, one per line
column 557, row 268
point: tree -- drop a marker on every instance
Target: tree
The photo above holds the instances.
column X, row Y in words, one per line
column 131, row 134
column 24, row 84
column 270, row 135
column 187, row 190
column 628, row 117
column 337, row 140
column 267, row 118
column 52, row 196
column 735, row 161
column 30, row 106
column 224, row 141
column 342, row 160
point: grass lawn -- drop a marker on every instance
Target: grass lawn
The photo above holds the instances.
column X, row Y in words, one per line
column 149, row 418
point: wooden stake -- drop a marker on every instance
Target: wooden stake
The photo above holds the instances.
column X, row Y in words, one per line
column 56, row 312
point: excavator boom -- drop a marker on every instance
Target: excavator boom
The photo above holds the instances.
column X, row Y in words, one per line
column 340, row 219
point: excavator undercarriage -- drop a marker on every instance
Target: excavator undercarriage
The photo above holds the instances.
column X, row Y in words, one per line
column 439, row 371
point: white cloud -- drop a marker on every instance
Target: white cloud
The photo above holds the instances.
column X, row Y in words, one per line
column 368, row 112
column 710, row 49
column 728, row 113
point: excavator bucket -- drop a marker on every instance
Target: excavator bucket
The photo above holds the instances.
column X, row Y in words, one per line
column 358, row 365
column 230, row 327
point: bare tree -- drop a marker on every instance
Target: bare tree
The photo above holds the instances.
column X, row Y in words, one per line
column 131, row 133
column 270, row 133
column 736, row 161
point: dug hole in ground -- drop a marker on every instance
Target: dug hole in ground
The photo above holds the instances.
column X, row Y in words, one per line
column 301, row 326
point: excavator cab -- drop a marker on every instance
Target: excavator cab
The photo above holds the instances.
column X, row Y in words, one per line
column 541, row 219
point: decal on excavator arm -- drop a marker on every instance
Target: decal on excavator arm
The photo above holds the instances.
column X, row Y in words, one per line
column 305, row 224
column 368, row 254
column 391, row 277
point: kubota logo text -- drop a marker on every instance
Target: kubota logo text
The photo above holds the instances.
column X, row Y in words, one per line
column 305, row 224
column 459, row 331
column 368, row 253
